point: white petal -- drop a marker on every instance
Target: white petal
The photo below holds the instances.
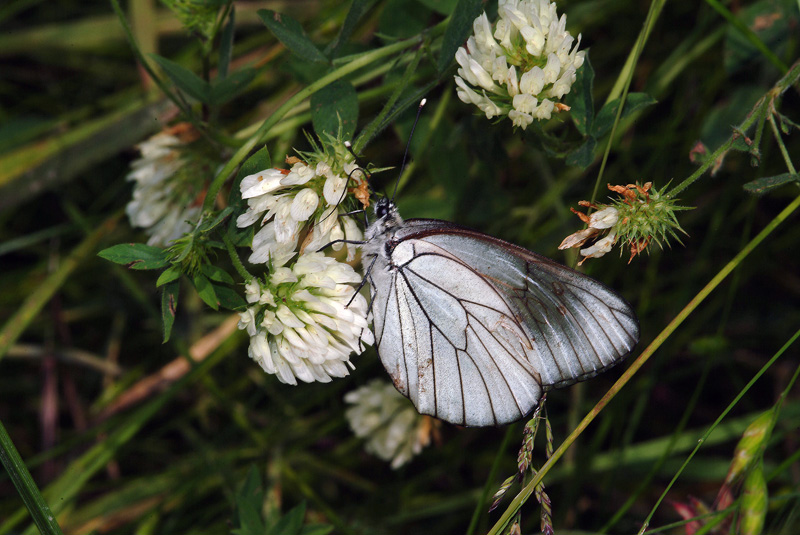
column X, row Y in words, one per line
column 532, row 82
column 304, row 204
column 299, row 174
column 334, row 189
column 261, row 183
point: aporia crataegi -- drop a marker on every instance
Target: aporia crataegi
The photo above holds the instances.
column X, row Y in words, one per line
column 474, row 329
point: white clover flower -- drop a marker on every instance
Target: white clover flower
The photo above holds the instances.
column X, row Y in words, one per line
column 169, row 185
column 600, row 247
column 605, row 218
column 522, row 68
column 640, row 216
column 392, row 427
column 300, row 323
column 285, row 203
column 598, row 222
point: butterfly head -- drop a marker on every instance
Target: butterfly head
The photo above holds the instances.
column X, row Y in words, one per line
column 386, row 219
column 386, row 212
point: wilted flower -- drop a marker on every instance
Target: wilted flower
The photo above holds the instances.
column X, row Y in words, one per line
column 393, row 428
column 640, row 216
column 304, row 321
column 171, row 180
column 308, row 197
column 524, row 67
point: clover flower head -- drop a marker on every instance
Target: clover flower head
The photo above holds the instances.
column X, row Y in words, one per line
column 523, row 66
column 307, row 199
column 304, row 321
column 392, row 427
column 640, row 215
column 170, row 181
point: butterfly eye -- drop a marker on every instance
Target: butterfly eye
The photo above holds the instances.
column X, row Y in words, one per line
column 382, row 208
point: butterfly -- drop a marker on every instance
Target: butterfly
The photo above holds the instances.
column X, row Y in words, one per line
column 473, row 329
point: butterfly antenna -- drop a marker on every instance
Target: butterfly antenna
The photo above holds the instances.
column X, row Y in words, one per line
column 349, row 147
column 408, row 146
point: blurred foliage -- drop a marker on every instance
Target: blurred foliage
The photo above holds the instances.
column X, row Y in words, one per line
column 125, row 434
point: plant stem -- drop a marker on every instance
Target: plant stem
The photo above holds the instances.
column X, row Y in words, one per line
column 15, row 467
column 764, row 105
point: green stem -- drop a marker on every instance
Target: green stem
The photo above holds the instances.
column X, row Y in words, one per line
column 781, row 146
column 710, row 161
column 629, row 68
column 525, row 493
column 260, row 134
column 235, row 260
column 764, row 105
column 34, row 501
column 487, row 489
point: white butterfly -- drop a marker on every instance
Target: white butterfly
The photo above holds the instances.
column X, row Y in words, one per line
column 474, row 329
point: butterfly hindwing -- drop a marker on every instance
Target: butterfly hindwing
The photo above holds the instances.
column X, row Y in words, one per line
column 472, row 329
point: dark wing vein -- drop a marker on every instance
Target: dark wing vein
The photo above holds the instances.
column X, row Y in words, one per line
column 461, row 301
column 402, row 270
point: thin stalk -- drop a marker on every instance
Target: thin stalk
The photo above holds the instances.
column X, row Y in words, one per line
column 787, row 160
column 764, row 105
column 42, row 516
column 633, row 59
column 719, row 419
column 525, row 493
column 487, row 489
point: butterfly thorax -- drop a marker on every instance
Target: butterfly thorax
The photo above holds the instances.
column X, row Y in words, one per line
column 379, row 235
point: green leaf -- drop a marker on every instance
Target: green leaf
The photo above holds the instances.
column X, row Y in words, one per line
column 209, row 224
column 289, row 32
column 316, row 529
column 184, row 79
column 251, row 488
column 136, row 256
column 18, row 473
column 291, row 523
column 786, row 123
column 606, row 116
column 401, row 19
column 357, row 10
column 761, row 186
column 583, row 156
column 579, row 99
column 250, row 520
column 225, row 89
column 216, row 274
column 229, row 298
column 334, row 105
column 249, row 500
column 168, row 275
column 169, row 306
column 255, row 163
column 226, row 44
column 758, row 32
column 458, row 29
column 443, row 7
column 206, row 291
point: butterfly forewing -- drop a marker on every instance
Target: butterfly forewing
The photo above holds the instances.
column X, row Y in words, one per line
column 472, row 328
